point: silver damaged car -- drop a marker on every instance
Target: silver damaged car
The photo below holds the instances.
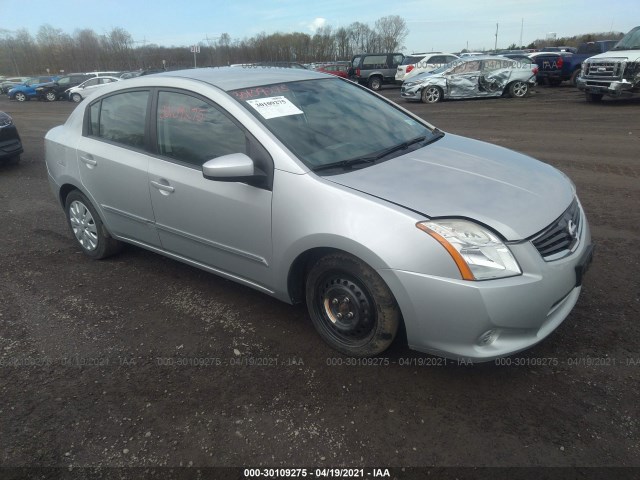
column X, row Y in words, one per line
column 313, row 189
column 472, row 77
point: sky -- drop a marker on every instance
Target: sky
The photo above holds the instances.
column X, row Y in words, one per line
column 433, row 25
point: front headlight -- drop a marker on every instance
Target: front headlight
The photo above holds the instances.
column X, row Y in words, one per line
column 478, row 252
column 5, row 120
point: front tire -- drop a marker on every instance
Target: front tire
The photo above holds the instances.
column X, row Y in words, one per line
column 51, row 96
column 76, row 97
column 574, row 77
column 431, row 95
column 518, row 89
column 21, row 97
column 87, row 227
column 350, row 306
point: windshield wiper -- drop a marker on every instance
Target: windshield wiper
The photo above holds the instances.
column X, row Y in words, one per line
column 347, row 164
column 344, row 164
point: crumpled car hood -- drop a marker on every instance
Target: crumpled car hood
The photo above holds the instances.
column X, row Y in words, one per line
column 512, row 193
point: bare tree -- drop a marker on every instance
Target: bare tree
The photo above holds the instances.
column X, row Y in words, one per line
column 392, row 31
column 119, row 47
column 85, row 50
column 359, row 34
column 88, row 52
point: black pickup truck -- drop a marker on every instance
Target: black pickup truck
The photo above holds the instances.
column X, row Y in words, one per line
column 557, row 67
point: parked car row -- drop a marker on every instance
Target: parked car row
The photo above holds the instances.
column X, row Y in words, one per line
column 74, row 86
column 27, row 90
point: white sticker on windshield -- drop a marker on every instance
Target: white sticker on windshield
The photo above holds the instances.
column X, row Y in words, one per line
column 273, row 107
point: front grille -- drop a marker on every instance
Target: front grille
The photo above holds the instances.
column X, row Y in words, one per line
column 562, row 236
column 605, row 69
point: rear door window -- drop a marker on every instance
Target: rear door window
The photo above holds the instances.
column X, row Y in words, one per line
column 121, row 118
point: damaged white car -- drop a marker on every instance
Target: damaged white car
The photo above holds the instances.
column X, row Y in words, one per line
column 472, row 77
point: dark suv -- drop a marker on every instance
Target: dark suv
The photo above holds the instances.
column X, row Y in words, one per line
column 55, row 90
column 375, row 69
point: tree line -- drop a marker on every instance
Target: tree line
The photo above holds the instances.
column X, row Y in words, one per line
column 53, row 50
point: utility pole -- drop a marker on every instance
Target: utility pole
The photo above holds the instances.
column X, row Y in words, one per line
column 495, row 46
column 521, row 29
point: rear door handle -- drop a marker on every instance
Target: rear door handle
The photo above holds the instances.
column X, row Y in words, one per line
column 163, row 187
column 88, row 160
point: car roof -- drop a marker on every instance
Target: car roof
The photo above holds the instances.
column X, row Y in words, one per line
column 481, row 57
column 233, row 78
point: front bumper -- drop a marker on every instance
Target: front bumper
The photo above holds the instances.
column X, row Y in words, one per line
column 616, row 88
column 411, row 93
column 483, row 320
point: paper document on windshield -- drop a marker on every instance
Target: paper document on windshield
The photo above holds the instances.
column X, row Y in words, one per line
column 273, row 107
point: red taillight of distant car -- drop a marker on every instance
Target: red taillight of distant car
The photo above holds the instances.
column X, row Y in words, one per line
column 409, row 68
column 535, row 70
column 357, row 72
column 560, row 62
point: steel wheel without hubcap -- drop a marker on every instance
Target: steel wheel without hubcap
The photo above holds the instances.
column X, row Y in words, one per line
column 518, row 89
column 350, row 305
column 51, row 96
column 347, row 307
column 431, row 95
column 21, row 97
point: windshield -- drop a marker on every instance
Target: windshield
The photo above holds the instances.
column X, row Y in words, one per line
column 631, row 41
column 327, row 121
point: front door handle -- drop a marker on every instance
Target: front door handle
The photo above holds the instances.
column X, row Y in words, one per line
column 163, row 187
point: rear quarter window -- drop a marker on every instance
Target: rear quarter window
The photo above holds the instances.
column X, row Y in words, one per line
column 374, row 61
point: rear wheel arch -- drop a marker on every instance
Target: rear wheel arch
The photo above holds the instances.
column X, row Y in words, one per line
column 64, row 192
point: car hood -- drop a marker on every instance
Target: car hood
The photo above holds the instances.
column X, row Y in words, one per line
column 514, row 194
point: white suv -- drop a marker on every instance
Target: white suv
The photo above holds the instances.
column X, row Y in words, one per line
column 422, row 62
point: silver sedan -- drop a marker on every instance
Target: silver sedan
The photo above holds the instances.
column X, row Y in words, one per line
column 472, row 77
column 313, row 189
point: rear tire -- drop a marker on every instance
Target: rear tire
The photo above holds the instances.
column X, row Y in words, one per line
column 375, row 84
column 350, row 306
column 88, row 229
column 593, row 97
column 51, row 96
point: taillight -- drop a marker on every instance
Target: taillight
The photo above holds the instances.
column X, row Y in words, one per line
column 560, row 62
column 409, row 68
column 535, row 70
column 357, row 72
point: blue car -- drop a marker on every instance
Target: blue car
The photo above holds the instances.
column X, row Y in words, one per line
column 27, row 90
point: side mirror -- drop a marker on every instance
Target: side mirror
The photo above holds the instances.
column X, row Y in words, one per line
column 235, row 167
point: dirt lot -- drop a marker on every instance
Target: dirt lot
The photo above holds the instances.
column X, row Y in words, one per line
column 91, row 352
